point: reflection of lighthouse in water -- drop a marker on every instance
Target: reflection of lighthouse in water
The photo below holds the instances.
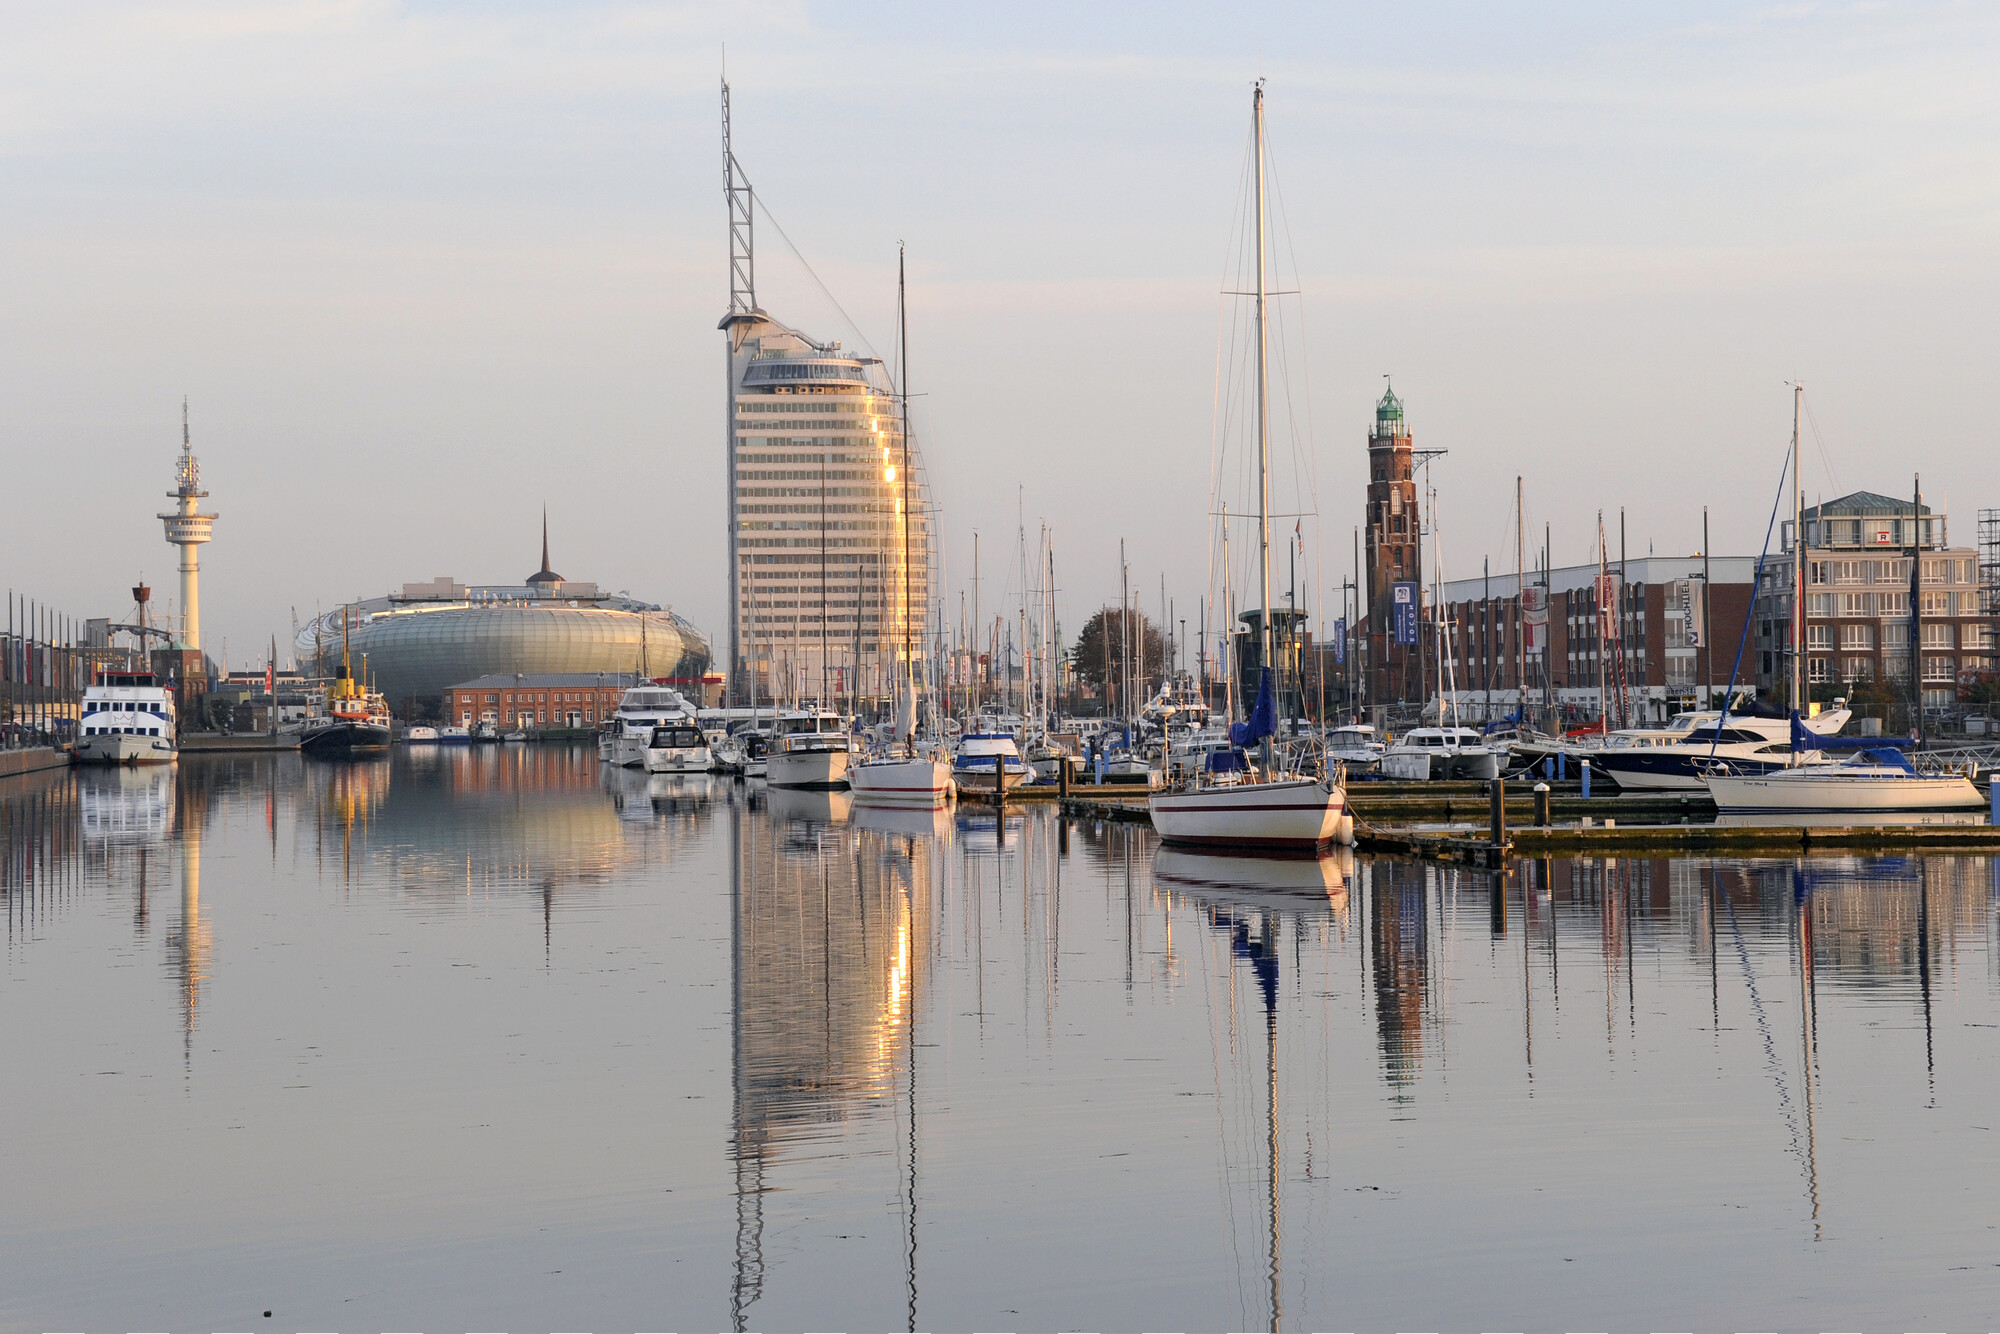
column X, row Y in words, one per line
column 188, row 947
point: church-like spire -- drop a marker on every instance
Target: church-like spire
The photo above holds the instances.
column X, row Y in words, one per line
column 545, row 575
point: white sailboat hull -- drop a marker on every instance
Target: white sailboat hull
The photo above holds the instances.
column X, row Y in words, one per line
column 808, row 768
column 1825, row 791
column 901, row 782
column 1302, row 815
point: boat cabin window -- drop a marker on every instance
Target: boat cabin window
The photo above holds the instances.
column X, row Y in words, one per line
column 676, row 737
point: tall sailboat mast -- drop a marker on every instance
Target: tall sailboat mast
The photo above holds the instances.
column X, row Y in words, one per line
column 906, row 680
column 1798, row 562
column 1263, row 416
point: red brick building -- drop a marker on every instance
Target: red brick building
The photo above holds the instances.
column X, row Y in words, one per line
column 535, row 701
column 1656, row 614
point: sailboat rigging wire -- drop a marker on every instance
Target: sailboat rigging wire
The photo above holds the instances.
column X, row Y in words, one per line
column 1825, row 459
column 853, row 328
column 1311, row 482
column 1756, row 582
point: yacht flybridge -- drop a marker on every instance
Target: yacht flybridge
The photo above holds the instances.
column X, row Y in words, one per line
column 1237, row 801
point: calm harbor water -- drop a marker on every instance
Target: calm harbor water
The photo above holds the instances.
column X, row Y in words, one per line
column 495, row 1039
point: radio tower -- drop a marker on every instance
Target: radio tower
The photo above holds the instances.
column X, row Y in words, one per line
column 187, row 530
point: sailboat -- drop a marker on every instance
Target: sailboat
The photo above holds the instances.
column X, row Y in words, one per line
column 904, row 775
column 1233, row 802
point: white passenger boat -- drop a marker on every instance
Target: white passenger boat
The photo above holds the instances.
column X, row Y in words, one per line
column 812, row 749
column 1233, row 805
column 627, row 735
column 678, row 748
column 988, row 762
column 1439, row 754
column 125, row 718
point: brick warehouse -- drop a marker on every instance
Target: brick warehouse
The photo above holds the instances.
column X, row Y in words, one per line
column 535, row 700
column 1665, row 665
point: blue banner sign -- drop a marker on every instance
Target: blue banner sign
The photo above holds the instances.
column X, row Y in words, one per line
column 1340, row 642
column 1404, row 608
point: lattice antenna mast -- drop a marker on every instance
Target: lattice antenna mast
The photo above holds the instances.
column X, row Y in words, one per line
column 742, row 205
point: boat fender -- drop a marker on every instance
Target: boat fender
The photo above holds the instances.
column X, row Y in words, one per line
column 1343, row 830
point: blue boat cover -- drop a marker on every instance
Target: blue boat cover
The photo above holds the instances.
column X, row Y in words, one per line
column 1228, row 762
column 1803, row 740
column 1262, row 721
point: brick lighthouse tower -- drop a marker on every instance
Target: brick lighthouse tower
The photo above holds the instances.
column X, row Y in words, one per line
column 1395, row 555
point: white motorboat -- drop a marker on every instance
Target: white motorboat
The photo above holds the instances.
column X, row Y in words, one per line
column 1356, row 746
column 454, row 736
column 1229, row 804
column 678, row 748
column 125, row 718
column 627, row 735
column 1872, row 782
column 1439, row 754
column 1050, row 753
column 420, row 735
column 1654, row 762
column 812, row 749
column 989, row 762
column 901, row 780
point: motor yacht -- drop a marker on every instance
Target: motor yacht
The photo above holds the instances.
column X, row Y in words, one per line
column 678, row 748
column 1355, row 746
column 989, row 762
column 642, row 710
column 1655, row 762
column 812, row 749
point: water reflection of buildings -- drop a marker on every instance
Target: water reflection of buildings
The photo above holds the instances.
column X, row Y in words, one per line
column 489, row 819
column 831, row 926
column 1398, row 898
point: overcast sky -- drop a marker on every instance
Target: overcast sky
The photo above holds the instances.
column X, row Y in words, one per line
column 421, row 269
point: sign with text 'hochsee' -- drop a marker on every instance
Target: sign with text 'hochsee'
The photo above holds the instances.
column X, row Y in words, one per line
column 1404, row 605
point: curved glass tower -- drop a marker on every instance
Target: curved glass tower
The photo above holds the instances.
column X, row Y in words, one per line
column 818, row 535
column 819, row 541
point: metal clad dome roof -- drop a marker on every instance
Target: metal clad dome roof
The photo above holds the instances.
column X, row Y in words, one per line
column 419, row 650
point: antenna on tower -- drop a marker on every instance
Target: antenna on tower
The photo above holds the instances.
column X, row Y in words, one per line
column 742, row 250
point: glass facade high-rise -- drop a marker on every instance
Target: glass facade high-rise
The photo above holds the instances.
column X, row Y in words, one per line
column 818, row 533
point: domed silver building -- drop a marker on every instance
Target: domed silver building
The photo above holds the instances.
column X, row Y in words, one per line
column 415, row 644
